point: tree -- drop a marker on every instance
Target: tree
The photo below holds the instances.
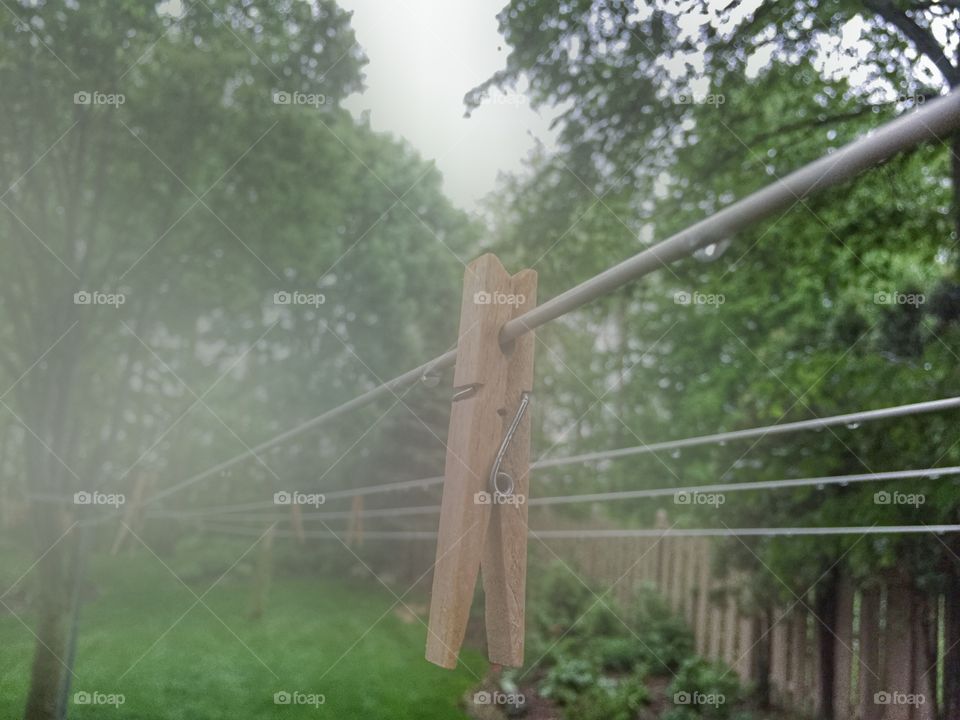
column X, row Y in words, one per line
column 646, row 150
column 178, row 165
column 628, row 77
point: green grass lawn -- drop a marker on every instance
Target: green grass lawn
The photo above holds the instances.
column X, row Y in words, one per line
column 319, row 636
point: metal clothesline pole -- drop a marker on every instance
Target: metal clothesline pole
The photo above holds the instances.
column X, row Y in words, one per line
column 938, row 118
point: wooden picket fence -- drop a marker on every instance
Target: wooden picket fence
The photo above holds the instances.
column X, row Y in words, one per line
column 882, row 642
column 885, row 643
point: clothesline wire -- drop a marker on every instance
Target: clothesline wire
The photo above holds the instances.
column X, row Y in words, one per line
column 682, row 495
column 932, row 121
column 601, row 534
column 849, row 419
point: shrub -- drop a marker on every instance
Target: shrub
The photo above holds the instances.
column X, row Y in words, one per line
column 665, row 635
column 562, row 600
column 611, row 700
column 567, row 679
column 703, row 690
column 619, row 654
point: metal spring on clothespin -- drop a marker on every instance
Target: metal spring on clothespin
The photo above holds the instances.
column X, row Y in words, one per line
column 495, row 473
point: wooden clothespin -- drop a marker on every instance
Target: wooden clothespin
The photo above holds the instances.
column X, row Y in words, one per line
column 483, row 516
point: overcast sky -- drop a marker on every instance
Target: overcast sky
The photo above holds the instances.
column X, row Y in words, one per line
column 424, row 56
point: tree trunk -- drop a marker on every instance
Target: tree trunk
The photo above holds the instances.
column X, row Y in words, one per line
column 951, row 661
column 955, row 171
column 47, row 675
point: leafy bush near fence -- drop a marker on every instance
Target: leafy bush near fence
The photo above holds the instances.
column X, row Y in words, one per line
column 570, row 621
column 624, row 699
column 596, row 658
column 704, row 690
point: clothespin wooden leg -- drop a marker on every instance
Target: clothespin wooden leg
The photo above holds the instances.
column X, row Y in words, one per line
column 504, row 561
column 480, row 381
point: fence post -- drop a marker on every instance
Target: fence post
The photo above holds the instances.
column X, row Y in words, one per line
column 843, row 650
column 898, row 664
column 703, row 591
column 798, row 657
column 355, row 528
column 482, row 379
column 746, row 654
column 714, row 621
column 730, row 624
column 869, row 652
column 296, row 522
column 690, row 581
column 779, row 658
column 925, row 612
